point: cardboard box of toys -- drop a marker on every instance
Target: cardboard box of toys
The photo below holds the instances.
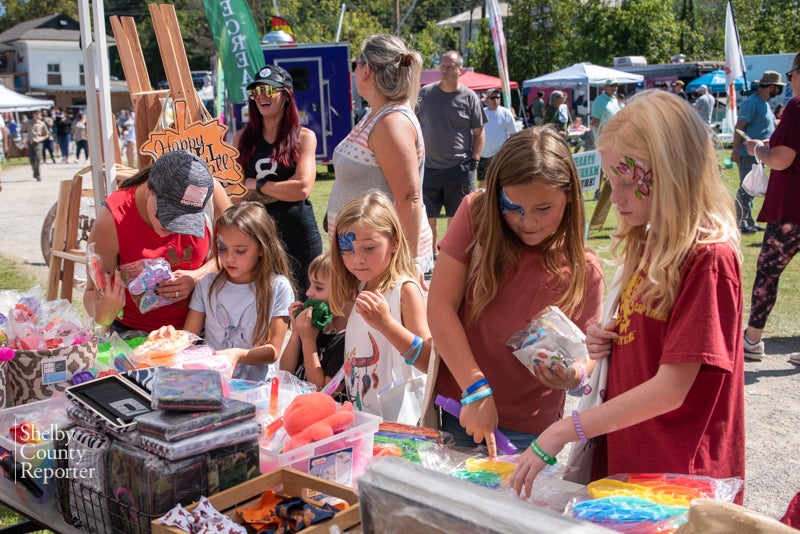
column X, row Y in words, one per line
column 292, row 483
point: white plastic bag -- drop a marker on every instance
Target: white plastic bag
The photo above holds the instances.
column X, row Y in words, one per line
column 755, row 183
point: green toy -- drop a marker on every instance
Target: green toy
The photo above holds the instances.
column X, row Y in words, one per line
column 321, row 315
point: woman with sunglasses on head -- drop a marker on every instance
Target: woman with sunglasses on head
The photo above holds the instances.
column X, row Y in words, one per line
column 279, row 163
column 385, row 150
column 781, row 213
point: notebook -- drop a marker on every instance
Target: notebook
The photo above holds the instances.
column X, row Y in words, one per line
column 171, row 425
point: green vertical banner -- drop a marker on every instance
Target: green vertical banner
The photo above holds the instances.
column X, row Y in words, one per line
column 238, row 44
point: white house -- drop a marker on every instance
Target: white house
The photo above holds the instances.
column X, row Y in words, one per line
column 42, row 57
column 468, row 23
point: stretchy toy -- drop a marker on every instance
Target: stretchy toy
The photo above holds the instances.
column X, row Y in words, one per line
column 321, row 315
column 314, row 417
column 503, row 469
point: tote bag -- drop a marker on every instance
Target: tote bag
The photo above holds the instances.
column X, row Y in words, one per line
column 582, row 454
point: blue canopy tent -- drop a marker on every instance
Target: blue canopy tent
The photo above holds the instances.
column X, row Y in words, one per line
column 715, row 81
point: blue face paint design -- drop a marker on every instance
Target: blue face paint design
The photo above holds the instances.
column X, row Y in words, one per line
column 506, row 206
column 346, row 242
column 220, row 245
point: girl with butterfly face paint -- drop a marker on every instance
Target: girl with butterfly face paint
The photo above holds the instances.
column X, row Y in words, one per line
column 374, row 283
column 675, row 394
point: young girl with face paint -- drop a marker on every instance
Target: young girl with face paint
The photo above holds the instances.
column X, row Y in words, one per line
column 675, row 395
column 511, row 251
column 244, row 307
column 374, row 283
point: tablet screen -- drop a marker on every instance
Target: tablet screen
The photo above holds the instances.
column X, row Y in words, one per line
column 112, row 398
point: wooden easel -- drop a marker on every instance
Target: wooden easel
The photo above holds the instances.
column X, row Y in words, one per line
column 64, row 249
column 147, row 103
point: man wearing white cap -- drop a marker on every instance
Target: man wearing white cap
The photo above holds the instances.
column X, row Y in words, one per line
column 704, row 104
column 606, row 105
column 756, row 119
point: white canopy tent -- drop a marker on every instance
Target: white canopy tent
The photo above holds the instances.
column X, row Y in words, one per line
column 13, row 101
column 582, row 75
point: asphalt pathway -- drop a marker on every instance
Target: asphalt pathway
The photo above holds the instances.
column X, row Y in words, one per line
column 772, row 386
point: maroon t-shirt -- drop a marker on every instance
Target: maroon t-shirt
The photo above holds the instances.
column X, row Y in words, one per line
column 783, row 190
column 523, row 403
column 138, row 241
column 705, row 436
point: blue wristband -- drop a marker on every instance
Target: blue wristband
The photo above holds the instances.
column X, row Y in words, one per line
column 417, row 352
column 414, row 345
column 476, row 396
column 475, row 387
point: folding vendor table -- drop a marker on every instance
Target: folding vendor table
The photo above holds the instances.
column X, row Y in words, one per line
column 46, row 515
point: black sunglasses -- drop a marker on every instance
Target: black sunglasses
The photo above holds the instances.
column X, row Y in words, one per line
column 356, row 63
column 494, row 97
column 789, row 74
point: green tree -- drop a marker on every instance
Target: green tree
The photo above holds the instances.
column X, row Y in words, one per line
column 21, row 11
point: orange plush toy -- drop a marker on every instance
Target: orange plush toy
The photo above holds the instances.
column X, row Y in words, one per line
column 314, row 417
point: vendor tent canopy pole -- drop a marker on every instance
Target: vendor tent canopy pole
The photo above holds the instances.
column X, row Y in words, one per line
column 98, row 100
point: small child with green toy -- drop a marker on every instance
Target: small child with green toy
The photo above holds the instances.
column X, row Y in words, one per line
column 315, row 351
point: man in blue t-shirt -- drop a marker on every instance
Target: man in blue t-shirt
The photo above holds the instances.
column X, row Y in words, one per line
column 756, row 119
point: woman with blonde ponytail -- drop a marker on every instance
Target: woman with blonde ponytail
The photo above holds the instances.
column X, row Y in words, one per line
column 385, row 150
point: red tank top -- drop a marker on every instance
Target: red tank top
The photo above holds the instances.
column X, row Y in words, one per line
column 137, row 241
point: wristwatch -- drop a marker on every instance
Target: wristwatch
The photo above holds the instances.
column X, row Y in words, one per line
column 473, row 163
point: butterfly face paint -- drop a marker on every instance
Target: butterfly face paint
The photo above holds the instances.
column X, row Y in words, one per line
column 506, row 206
column 633, row 170
column 220, row 244
column 346, row 242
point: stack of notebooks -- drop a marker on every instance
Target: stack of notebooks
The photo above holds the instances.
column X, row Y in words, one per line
column 175, row 435
column 192, row 416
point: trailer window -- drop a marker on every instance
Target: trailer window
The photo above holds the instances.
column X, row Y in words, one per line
column 300, row 79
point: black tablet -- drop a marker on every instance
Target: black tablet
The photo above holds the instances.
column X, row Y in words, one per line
column 113, row 399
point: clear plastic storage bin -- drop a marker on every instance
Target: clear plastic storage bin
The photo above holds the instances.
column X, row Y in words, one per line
column 341, row 458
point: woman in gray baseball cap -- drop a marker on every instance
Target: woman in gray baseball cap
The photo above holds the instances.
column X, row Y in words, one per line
column 278, row 157
column 158, row 213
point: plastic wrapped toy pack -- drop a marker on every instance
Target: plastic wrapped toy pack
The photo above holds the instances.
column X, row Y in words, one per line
column 142, row 277
column 643, row 502
column 552, row 339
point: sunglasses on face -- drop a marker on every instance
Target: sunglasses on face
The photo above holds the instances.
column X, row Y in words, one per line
column 356, row 63
column 791, row 73
column 262, row 90
column 494, row 98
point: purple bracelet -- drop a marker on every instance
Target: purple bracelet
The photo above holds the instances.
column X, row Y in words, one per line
column 578, row 427
column 582, row 382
